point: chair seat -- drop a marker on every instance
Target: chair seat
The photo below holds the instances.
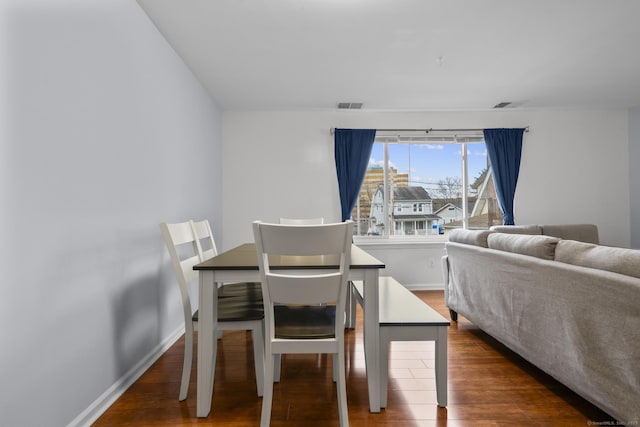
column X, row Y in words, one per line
column 239, row 313
column 304, row 322
column 235, row 309
column 244, row 289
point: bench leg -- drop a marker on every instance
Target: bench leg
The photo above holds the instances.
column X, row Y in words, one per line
column 441, row 367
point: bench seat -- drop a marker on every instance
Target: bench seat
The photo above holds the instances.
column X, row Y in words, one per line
column 405, row 317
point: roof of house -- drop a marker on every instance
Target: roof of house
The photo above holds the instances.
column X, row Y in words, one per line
column 410, row 193
column 448, row 205
column 478, row 222
column 400, row 217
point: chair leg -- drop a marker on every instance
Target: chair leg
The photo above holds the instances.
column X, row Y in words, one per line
column 186, row 364
column 341, row 387
column 267, row 397
column 277, row 366
column 257, row 336
column 347, row 308
column 335, row 367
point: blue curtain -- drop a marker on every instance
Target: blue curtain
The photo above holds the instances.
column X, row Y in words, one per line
column 352, row 153
column 504, row 147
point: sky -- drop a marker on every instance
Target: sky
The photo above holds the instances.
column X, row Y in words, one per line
column 427, row 164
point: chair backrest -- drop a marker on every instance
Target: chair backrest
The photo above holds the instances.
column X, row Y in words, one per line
column 204, row 239
column 185, row 253
column 329, row 241
column 302, row 221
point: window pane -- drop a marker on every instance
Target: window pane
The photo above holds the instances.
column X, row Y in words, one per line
column 483, row 205
column 368, row 212
column 409, row 191
column 424, row 193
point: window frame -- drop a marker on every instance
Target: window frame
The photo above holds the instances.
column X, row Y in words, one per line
column 460, row 139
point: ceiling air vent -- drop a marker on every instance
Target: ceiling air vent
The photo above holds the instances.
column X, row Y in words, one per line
column 349, row 105
column 502, row 105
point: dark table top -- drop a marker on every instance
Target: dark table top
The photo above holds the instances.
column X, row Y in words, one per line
column 244, row 257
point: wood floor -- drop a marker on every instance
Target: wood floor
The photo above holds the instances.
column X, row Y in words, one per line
column 488, row 386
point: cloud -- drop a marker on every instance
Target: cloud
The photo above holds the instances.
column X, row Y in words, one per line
column 373, row 163
column 431, row 146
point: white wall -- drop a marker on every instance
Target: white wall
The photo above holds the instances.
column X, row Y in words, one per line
column 574, row 168
column 104, row 133
column 417, row 265
column 634, row 174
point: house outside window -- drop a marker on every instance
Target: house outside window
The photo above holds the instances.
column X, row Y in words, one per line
column 420, row 186
column 412, row 214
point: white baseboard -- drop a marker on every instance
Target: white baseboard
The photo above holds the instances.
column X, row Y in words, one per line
column 425, row 286
column 102, row 403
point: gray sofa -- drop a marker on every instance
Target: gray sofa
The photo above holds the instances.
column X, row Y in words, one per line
column 564, row 303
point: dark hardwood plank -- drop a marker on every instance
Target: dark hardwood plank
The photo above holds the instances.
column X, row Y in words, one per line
column 488, row 386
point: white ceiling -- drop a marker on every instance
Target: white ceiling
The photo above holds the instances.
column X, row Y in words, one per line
column 408, row 54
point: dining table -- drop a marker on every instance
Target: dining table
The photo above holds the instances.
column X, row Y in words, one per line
column 240, row 264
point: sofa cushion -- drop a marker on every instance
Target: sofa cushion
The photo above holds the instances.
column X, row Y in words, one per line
column 538, row 246
column 581, row 232
column 469, row 237
column 517, row 229
column 617, row 260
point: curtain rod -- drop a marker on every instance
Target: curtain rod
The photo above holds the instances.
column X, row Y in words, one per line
column 332, row 130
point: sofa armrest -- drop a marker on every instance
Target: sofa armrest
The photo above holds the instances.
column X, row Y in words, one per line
column 445, row 274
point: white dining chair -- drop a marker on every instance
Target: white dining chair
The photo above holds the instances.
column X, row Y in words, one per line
column 304, row 309
column 237, row 312
column 250, row 291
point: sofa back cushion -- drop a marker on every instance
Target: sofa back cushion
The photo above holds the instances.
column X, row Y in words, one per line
column 543, row 247
column 581, row 232
column 517, row 229
column 617, row 260
column 469, row 237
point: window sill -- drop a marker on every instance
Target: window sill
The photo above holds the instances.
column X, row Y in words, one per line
column 400, row 241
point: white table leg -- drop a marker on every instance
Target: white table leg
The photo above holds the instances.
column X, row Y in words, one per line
column 384, row 365
column 441, row 366
column 207, row 344
column 372, row 337
column 349, row 322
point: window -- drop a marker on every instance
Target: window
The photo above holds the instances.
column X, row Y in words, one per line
column 419, row 185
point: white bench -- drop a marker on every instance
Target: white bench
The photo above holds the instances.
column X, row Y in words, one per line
column 405, row 317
